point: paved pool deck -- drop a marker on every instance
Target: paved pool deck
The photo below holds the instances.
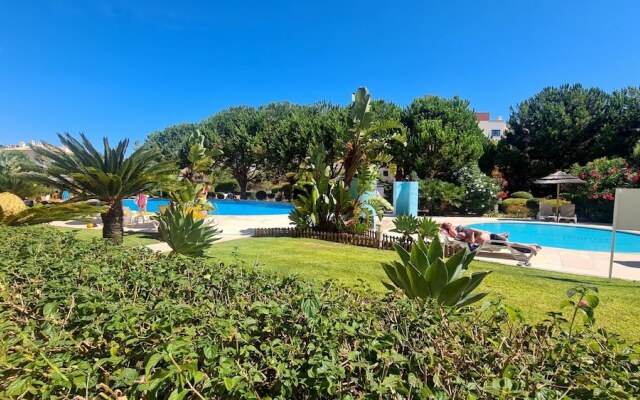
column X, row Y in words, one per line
column 590, row 263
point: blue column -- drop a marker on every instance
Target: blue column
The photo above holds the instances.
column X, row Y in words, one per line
column 405, row 198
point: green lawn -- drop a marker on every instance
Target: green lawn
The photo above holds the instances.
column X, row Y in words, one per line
column 130, row 238
column 533, row 291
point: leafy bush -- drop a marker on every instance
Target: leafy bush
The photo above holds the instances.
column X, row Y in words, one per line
column 438, row 196
column 517, row 206
column 481, row 191
column 521, row 195
column 227, row 186
column 11, row 204
column 93, row 320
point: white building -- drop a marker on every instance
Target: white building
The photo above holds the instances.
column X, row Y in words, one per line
column 493, row 129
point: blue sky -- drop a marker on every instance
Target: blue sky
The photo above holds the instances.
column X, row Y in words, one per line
column 127, row 68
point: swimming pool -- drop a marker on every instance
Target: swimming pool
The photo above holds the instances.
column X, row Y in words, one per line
column 564, row 236
column 225, row 207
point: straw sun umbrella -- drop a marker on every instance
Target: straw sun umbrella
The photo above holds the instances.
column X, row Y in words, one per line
column 558, row 178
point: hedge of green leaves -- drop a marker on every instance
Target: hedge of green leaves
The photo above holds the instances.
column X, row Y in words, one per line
column 90, row 319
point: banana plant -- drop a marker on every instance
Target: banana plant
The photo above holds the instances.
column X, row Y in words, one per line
column 424, row 273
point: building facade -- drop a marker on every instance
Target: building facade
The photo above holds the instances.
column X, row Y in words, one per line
column 493, row 129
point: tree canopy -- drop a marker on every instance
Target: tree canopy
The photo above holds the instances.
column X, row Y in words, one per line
column 560, row 126
column 443, row 136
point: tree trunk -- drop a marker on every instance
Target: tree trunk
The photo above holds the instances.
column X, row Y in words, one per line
column 112, row 220
column 243, row 190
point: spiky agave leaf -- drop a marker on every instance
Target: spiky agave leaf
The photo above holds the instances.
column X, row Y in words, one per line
column 184, row 233
column 423, row 273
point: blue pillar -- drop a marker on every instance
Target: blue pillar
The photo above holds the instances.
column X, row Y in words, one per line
column 405, row 198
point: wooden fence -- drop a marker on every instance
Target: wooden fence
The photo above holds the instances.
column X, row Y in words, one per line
column 371, row 239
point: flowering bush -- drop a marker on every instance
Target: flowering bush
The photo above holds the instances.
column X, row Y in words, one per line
column 481, row 191
column 603, row 176
column 595, row 198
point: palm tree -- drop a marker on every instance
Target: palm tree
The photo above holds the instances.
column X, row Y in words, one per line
column 108, row 177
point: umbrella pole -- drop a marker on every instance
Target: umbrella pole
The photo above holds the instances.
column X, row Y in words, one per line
column 558, row 201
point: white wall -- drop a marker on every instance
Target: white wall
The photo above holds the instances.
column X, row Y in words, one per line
column 488, row 126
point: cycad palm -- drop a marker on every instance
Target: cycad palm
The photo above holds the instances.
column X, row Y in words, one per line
column 108, row 177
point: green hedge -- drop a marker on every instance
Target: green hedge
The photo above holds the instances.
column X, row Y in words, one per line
column 515, row 207
column 90, row 319
column 227, row 186
column 521, row 195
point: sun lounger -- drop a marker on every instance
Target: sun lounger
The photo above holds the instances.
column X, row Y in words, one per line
column 546, row 212
column 523, row 253
column 568, row 213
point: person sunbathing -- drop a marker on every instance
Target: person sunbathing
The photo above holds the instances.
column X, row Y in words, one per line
column 476, row 237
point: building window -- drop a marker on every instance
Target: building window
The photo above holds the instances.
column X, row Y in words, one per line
column 385, row 173
column 495, row 133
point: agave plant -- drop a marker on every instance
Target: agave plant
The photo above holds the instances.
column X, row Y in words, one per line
column 184, row 231
column 424, row 273
column 409, row 225
column 109, row 176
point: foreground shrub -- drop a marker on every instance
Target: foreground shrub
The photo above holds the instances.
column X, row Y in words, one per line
column 94, row 320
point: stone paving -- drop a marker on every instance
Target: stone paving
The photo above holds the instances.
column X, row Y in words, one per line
column 626, row 265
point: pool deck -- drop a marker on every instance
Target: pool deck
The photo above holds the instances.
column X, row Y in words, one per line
column 591, row 263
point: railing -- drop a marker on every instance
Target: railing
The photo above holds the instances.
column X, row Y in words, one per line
column 372, row 239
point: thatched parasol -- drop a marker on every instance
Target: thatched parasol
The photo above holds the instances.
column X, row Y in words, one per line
column 558, row 178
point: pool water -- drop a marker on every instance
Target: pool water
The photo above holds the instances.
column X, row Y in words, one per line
column 564, row 236
column 225, row 207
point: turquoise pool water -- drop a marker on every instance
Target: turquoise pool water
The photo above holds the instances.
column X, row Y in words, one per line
column 564, row 236
column 226, row 207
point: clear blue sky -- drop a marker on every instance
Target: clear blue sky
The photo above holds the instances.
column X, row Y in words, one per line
column 127, row 68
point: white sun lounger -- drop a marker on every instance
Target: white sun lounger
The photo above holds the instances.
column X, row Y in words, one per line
column 523, row 253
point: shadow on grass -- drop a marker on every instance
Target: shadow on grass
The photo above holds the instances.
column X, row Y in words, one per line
column 590, row 281
column 143, row 235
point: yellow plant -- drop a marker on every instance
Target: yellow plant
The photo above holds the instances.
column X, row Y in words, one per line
column 11, row 204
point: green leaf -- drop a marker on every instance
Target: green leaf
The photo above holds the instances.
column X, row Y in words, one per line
column 178, row 394
column 592, row 300
column 470, row 299
column 453, row 291
column 153, row 360
column 50, row 310
column 436, row 250
column 404, row 254
column 476, row 279
column 437, row 277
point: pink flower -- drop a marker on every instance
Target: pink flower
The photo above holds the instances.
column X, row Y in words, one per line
column 583, row 303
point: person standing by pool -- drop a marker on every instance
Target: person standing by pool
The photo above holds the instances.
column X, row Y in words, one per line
column 141, row 202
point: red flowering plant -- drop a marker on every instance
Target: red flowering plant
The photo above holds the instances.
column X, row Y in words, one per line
column 603, row 176
column 499, row 177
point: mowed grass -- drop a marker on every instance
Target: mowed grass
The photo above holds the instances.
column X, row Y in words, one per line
column 535, row 292
column 130, row 238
